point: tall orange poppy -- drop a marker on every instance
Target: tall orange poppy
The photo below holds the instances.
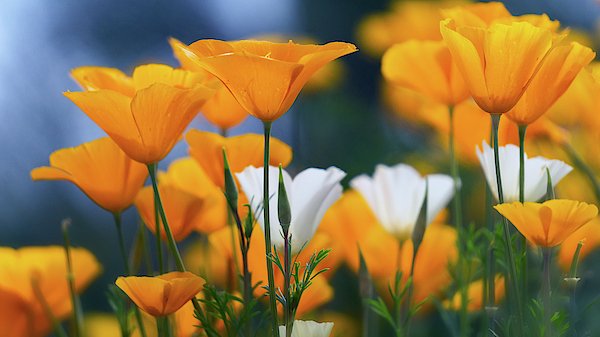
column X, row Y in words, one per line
column 147, row 125
column 497, row 63
column 264, row 77
column 550, row 223
column 161, row 295
column 100, row 169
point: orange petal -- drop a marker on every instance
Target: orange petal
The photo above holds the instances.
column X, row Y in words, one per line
column 100, row 169
column 146, row 75
column 161, row 114
column 516, row 50
column 95, row 78
column 242, row 151
column 161, row 295
column 181, row 209
column 554, row 77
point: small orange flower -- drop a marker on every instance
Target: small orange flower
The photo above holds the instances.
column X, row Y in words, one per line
column 242, row 151
column 100, row 169
column 497, row 63
column 553, row 78
column 147, row 125
column 550, row 223
column 22, row 314
column 161, row 295
column 426, row 67
column 264, row 77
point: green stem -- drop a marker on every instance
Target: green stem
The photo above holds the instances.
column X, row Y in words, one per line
column 144, row 242
column 246, row 273
column 170, row 240
column 161, row 263
column 454, row 170
column 138, row 314
column 522, row 130
column 286, row 284
column 546, row 291
column 273, row 301
column 582, row 165
column 489, row 321
column 71, row 279
column 58, row 328
column 510, row 260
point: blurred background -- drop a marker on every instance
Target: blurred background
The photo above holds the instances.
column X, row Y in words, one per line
column 345, row 125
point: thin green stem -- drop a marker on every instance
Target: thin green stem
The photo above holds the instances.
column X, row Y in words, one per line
column 171, row 241
column 39, row 295
column 159, row 252
column 546, row 291
column 286, row 284
column 144, row 242
column 489, row 321
column 509, row 254
column 582, row 165
column 454, row 170
column 522, row 130
column 138, row 314
column 71, row 279
column 246, row 273
column 271, row 281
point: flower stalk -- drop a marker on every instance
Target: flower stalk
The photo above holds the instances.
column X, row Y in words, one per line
column 71, row 279
column 546, row 291
column 271, row 281
column 285, row 219
column 522, row 131
column 507, row 240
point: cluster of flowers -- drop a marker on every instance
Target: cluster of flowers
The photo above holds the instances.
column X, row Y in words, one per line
column 513, row 66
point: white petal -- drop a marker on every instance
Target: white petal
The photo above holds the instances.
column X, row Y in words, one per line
column 309, row 329
column 251, row 181
column 314, row 191
column 440, row 190
column 535, row 172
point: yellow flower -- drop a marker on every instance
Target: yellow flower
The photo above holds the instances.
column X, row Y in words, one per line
column 147, row 125
column 264, row 77
column 161, row 295
column 550, row 223
column 100, row 169
column 426, row 67
column 553, row 78
column 242, row 151
column 21, row 314
column 499, row 62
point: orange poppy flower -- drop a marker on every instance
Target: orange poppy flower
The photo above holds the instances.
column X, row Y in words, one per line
column 100, row 169
column 264, row 77
column 147, row 125
column 553, row 78
column 550, row 223
column 426, row 67
column 242, row 151
column 161, row 295
column 485, row 58
column 222, row 109
column 21, row 314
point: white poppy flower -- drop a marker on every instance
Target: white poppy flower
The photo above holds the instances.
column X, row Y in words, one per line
column 308, row 329
column 310, row 194
column 395, row 195
column 536, row 179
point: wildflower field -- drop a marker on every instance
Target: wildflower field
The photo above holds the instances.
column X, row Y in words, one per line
column 461, row 201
